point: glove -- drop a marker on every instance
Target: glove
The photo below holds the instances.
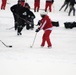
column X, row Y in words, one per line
column 37, row 30
column 38, row 23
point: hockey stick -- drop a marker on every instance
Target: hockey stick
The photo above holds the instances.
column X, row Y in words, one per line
column 5, row 44
column 33, row 40
column 24, row 19
column 10, row 28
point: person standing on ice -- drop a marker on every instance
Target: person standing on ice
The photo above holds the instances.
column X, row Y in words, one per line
column 49, row 4
column 36, row 5
column 3, row 5
column 31, row 17
column 15, row 10
column 66, row 3
column 22, row 16
column 46, row 25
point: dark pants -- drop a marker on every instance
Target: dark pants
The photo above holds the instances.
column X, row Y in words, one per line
column 27, row 26
column 71, row 8
column 15, row 21
column 30, row 25
column 65, row 4
column 21, row 25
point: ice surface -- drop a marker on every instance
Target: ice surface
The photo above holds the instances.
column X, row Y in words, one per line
column 23, row 60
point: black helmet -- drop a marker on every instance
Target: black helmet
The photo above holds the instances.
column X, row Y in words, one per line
column 19, row 0
column 27, row 5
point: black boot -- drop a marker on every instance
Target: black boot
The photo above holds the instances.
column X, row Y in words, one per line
column 69, row 11
column 19, row 30
column 73, row 12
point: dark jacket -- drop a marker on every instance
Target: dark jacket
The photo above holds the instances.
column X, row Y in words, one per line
column 67, row 1
column 21, row 12
column 17, row 9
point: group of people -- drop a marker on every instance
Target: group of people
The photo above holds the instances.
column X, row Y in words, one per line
column 23, row 16
column 70, row 4
column 36, row 4
column 47, row 5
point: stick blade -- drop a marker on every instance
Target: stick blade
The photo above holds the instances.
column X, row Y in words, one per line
column 10, row 46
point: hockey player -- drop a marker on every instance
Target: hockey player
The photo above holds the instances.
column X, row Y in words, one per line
column 36, row 5
column 72, row 3
column 31, row 18
column 22, row 14
column 27, row 6
column 66, row 3
column 15, row 10
column 3, row 5
column 49, row 4
column 46, row 25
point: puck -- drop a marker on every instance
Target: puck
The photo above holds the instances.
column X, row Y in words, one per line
column 10, row 46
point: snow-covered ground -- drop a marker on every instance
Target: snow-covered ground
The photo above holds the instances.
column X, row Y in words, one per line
column 23, row 60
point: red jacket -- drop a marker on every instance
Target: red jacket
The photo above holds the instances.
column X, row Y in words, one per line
column 46, row 23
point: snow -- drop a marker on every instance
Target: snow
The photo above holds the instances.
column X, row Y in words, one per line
column 23, row 60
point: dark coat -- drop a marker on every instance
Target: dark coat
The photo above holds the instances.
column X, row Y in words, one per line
column 17, row 9
column 67, row 1
column 21, row 13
